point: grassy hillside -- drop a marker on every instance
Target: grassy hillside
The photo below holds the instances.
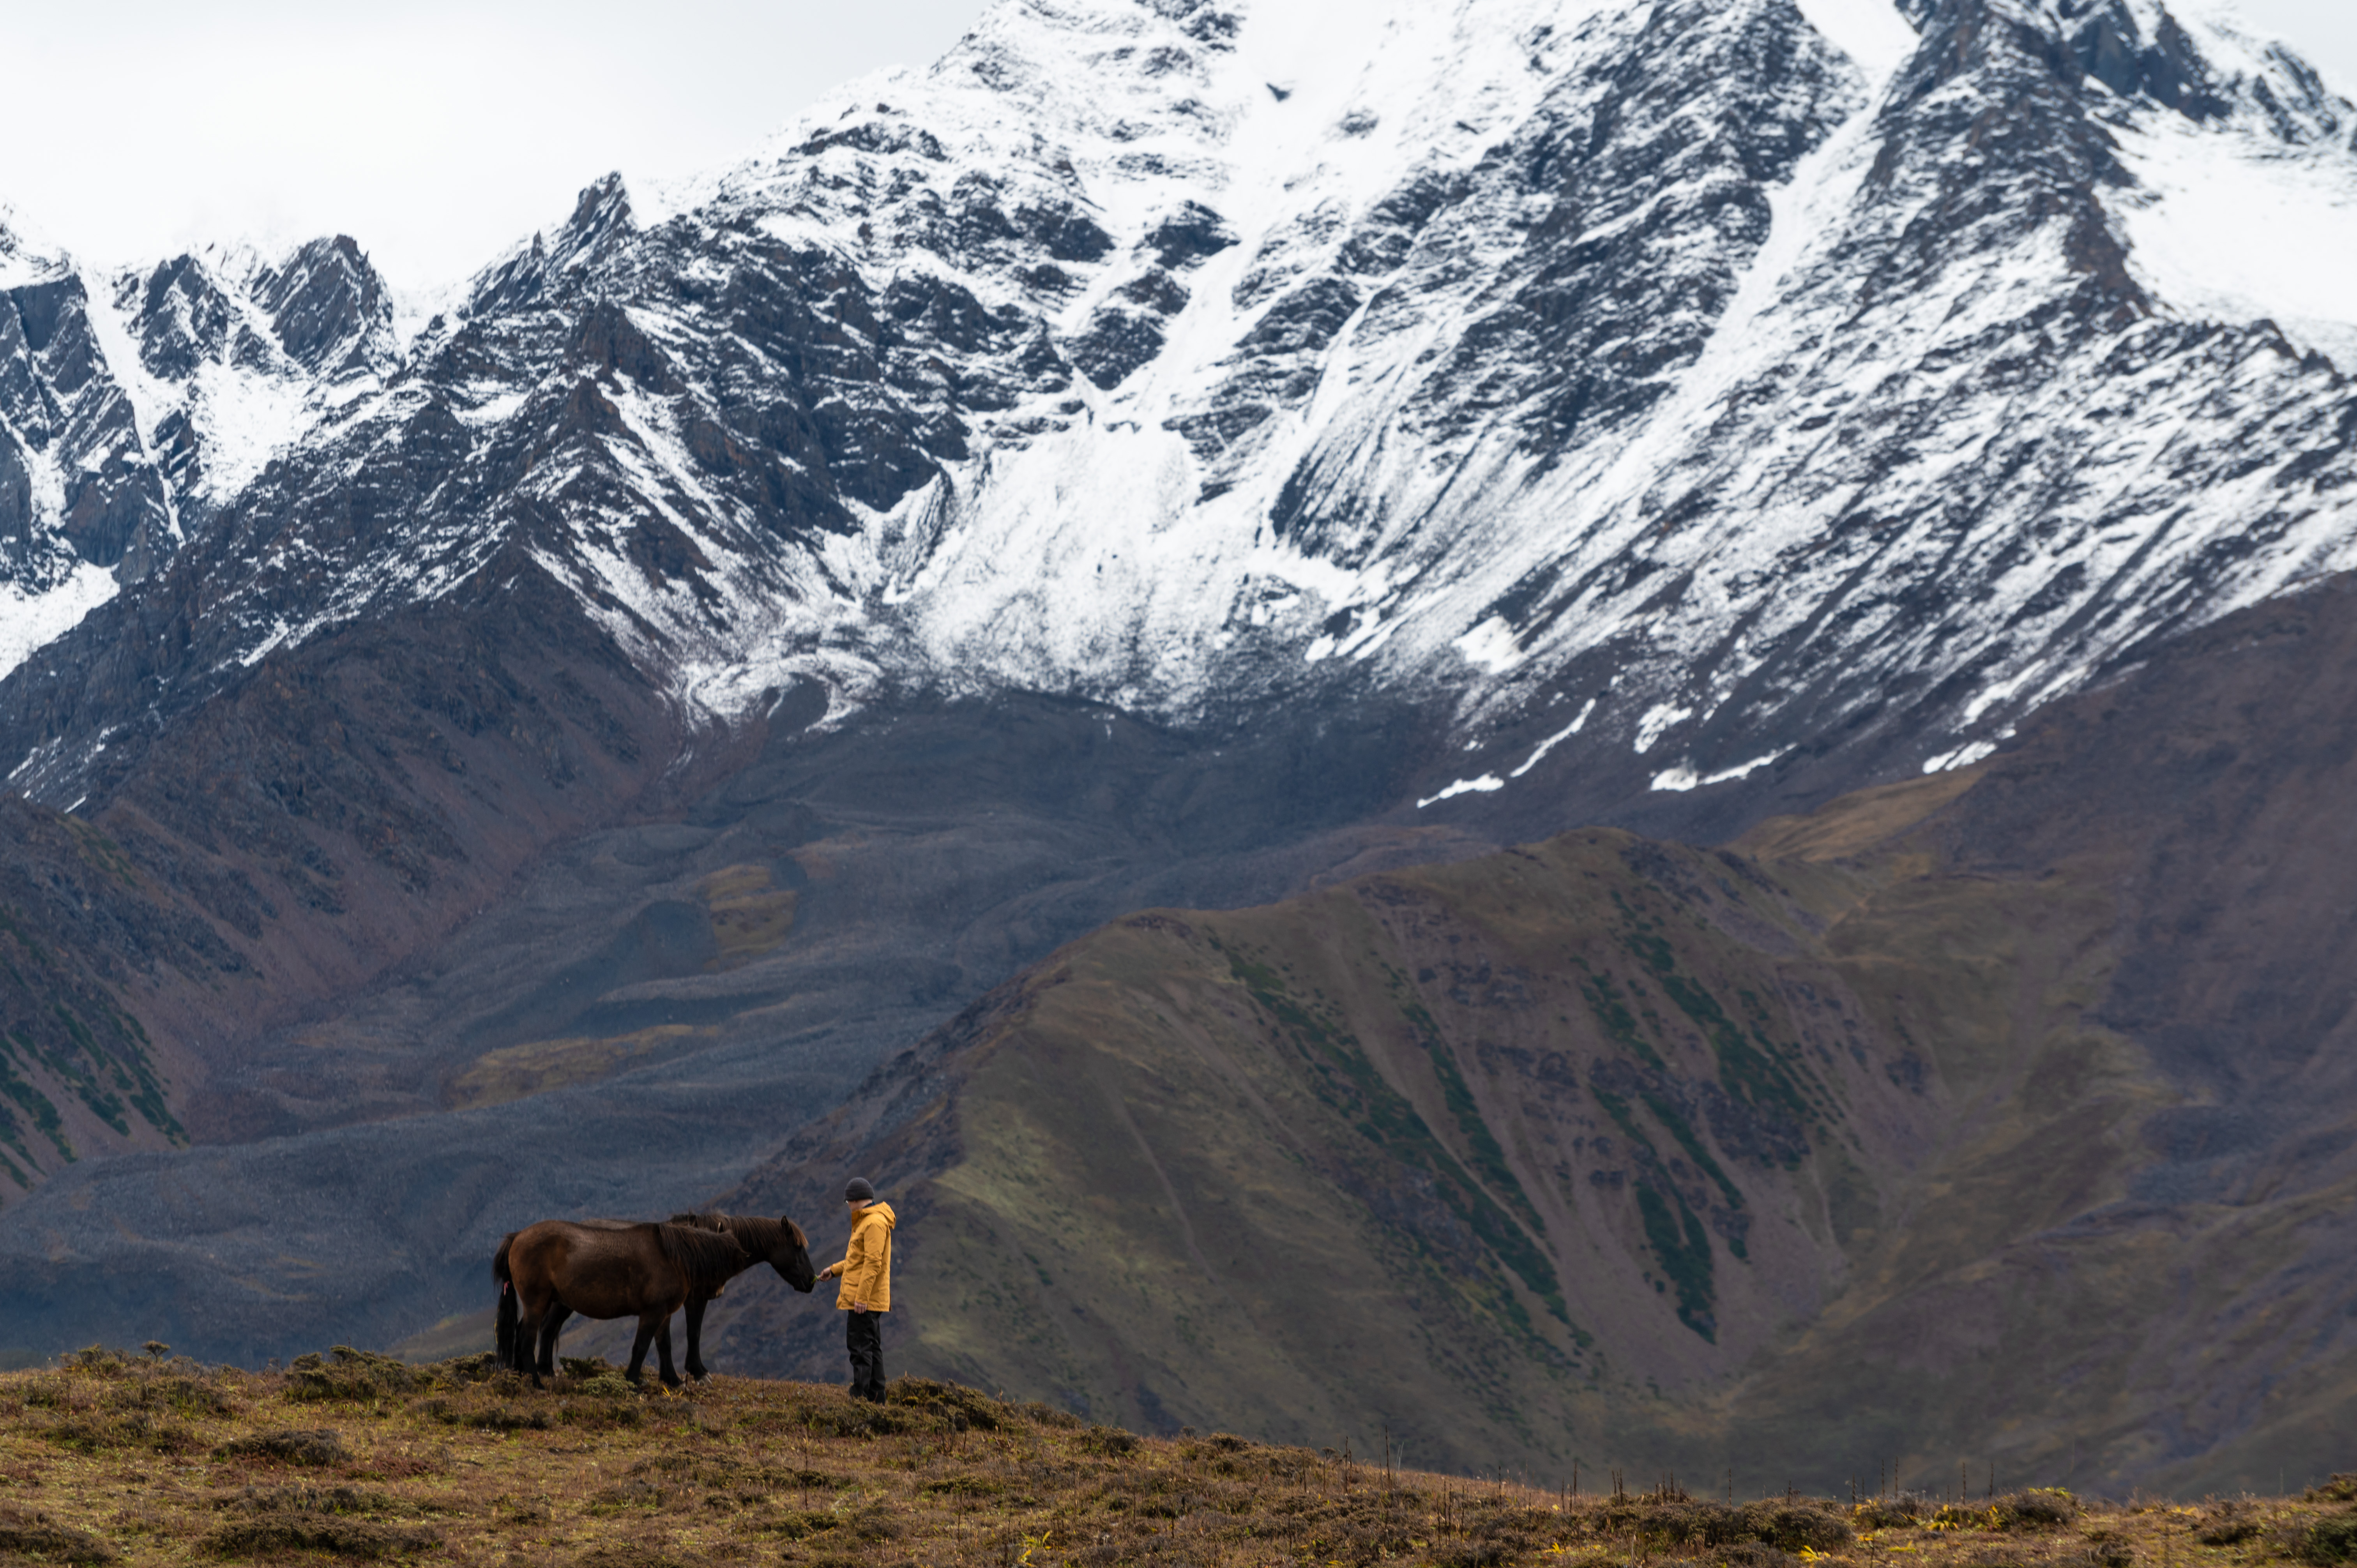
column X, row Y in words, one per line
column 1808, row 1159
column 2006, row 1118
column 1530, row 1159
column 144, row 1459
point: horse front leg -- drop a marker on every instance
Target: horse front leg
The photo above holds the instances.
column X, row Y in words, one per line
column 695, row 1306
column 648, row 1323
column 662, row 1348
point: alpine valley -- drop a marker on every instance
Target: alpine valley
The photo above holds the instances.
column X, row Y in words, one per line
column 1604, row 730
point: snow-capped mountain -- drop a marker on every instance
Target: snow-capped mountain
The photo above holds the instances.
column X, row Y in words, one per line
column 1673, row 387
column 525, row 764
column 134, row 407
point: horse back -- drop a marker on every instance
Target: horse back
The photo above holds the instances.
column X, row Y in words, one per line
column 600, row 1269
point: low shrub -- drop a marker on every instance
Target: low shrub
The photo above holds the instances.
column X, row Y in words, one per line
column 858, row 1418
column 302, row 1498
column 1904, row 1510
column 2340, row 1489
column 633, row 1492
column 960, row 1408
column 2040, row 1508
column 1795, row 1524
column 133, row 1429
column 353, row 1375
column 2231, row 1524
column 2106, row 1550
column 1786, row 1524
column 307, row 1532
column 320, row 1445
column 963, row 1486
column 481, row 1367
column 192, row 1396
column 801, row 1524
column 1754, row 1554
column 628, row 1554
column 1110, row 1441
column 601, row 1413
column 486, row 1418
column 2331, row 1539
column 51, row 1393
column 32, row 1535
column 499, row 1418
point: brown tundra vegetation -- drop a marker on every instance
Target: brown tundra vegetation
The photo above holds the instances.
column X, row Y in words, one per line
column 116, row 1459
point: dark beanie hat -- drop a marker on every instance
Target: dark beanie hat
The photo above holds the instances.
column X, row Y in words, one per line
column 858, row 1191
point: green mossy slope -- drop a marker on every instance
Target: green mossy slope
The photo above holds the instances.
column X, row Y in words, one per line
column 1538, row 1157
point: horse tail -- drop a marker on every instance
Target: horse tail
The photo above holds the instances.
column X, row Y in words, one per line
column 507, row 1316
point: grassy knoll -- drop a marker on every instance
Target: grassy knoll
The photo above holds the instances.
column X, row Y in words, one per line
column 136, row 1459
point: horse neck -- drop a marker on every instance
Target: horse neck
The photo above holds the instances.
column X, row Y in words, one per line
column 706, row 1257
column 760, row 1236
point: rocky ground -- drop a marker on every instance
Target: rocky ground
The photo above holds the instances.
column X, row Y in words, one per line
column 115, row 1457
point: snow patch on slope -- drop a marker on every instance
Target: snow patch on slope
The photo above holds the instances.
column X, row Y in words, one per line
column 245, row 418
column 28, row 621
column 1877, row 38
column 2232, row 231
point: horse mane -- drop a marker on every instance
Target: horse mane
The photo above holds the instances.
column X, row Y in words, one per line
column 706, row 1256
column 763, row 1236
column 758, row 1234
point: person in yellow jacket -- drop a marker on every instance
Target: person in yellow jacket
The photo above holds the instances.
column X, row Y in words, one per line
column 865, row 1271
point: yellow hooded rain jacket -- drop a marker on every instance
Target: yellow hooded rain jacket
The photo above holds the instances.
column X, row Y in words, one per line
column 867, row 1262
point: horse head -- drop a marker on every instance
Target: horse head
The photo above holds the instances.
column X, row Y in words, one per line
column 781, row 1243
column 791, row 1257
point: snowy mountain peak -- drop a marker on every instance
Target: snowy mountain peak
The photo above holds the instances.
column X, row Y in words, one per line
column 134, row 405
column 1756, row 381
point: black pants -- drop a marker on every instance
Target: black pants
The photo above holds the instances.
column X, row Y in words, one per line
column 863, row 1334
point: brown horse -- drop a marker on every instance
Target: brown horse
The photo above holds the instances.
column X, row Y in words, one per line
column 780, row 1242
column 604, row 1269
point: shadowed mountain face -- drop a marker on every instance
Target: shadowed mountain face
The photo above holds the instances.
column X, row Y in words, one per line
column 621, row 1020
column 2003, row 1116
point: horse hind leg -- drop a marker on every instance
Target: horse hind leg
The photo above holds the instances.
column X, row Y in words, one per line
column 533, row 1307
column 550, row 1323
column 648, row 1323
column 663, row 1349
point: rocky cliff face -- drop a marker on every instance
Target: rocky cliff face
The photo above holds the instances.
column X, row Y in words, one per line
column 133, row 407
column 1789, row 382
column 1163, row 453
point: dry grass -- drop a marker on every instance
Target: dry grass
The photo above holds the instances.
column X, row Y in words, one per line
column 136, row 1459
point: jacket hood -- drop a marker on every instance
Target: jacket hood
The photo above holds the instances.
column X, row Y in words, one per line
column 885, row 1209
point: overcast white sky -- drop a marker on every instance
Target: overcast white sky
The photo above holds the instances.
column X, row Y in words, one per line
column 437, row 132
